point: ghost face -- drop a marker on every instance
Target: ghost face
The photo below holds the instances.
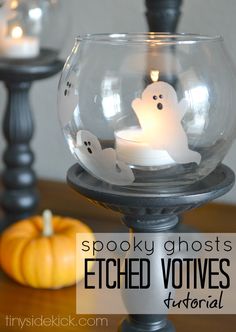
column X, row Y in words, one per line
column 101, row 163
column 160, row 114
column 88, row 143
column 160, row 96
column 68, row 99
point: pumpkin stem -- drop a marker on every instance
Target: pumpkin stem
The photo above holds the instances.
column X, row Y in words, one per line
column 47, row 223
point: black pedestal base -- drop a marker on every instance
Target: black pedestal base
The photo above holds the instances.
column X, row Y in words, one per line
column 150, row 324
column 149, row 212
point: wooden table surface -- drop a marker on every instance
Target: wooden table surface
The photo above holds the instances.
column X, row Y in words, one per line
column 22, row 302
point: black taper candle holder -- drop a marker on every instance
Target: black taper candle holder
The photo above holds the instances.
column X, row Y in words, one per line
column 163, row 15
column 151, row 211
column 20, row 197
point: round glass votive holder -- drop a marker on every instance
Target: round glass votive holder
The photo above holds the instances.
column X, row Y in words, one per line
column 148, row 110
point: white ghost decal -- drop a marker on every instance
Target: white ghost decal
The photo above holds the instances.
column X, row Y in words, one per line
column 101, row 163
column 160, row 114
column 68, row 100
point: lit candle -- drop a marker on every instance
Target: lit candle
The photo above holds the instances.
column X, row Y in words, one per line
column 19, row 46
column 132, row 148
column 161, row 139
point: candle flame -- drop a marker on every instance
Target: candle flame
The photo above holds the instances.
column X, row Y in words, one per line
column 154, row 74
column 17, row 32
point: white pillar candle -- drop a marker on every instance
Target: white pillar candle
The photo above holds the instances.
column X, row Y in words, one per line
column 132, row 149
column 19, row 46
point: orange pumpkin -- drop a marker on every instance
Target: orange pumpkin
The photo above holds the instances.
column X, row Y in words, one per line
column 41, row 251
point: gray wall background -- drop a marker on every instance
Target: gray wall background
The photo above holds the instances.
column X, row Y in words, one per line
column 199, row 16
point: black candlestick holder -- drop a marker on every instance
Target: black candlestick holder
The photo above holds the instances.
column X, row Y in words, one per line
column 20, row 196
column 151, row 212
column 163, row 15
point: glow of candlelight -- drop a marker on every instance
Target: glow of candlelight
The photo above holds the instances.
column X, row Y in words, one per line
column 154, row 74
column 14, row 4
column 17, row 32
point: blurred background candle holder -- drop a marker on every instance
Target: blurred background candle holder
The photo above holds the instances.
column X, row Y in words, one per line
column 29, row 26
column 31, row 36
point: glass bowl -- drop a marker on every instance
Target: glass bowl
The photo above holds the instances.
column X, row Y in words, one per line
column 149, row 109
